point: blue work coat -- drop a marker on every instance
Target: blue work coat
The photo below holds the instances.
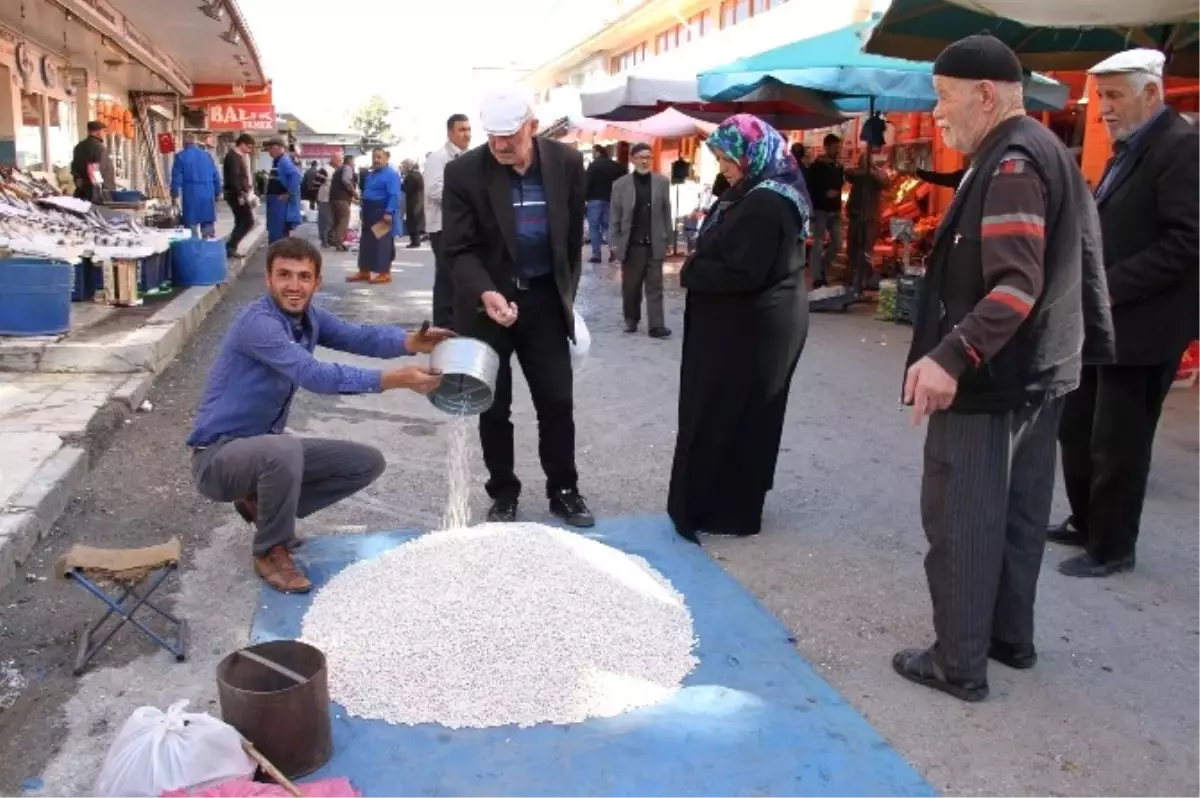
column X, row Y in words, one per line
column 283, row 212
column 383, row 186
column 194, row 175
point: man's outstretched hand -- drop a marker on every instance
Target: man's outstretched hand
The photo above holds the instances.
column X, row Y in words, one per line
column 421, row 379
column 423, row 341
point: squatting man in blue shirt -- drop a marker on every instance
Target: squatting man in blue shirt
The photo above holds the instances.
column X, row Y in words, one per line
column 240, row 452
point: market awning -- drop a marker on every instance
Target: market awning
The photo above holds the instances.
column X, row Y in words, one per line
column 636, row 97
column 834, row 64
column 1063, row 34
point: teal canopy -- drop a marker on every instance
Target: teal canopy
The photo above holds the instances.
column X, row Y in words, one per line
column 835, row 64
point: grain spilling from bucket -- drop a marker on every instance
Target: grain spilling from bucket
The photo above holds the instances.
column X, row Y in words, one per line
column 458, row 473
column 501, row 624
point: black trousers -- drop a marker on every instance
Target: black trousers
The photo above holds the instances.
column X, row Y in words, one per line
column 243, row 223
column 1107, row 435
column 539, row 340
column 443, row 289
column 986, row 491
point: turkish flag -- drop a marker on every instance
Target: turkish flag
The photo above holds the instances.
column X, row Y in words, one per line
column 166, row 143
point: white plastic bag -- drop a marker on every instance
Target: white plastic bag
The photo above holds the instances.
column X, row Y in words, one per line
column 157, row 751
column 583, row 340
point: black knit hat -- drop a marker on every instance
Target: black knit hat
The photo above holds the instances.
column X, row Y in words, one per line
column 979, row 57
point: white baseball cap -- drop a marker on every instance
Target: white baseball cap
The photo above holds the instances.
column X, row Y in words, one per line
column 1141, row 60
column 505, row 109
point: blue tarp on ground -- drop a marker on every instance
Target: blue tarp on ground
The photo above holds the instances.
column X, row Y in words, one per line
column 753, row 718
column 834, row 63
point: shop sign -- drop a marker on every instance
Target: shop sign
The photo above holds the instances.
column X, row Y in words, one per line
column 241, row 116
column 319, row 150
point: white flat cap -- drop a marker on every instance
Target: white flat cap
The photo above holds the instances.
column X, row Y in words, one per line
column 505, row 109
column 1141, row 60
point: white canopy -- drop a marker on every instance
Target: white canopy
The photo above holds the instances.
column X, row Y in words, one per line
column 671, row 77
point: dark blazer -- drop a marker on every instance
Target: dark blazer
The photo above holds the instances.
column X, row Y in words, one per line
column 1149, row 217
column 479, row 232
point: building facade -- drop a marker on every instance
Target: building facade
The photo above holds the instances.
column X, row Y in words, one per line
column 679, row 37
column 128, row 63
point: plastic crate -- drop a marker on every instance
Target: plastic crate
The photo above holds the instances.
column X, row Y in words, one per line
column 908, row 293
column 153, row 273
column 89, row 279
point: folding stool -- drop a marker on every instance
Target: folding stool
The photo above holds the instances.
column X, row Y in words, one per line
column 138, row 573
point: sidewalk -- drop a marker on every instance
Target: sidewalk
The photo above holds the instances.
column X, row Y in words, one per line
column 55, row 390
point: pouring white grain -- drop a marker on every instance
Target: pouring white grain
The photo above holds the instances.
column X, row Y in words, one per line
column 501, row 624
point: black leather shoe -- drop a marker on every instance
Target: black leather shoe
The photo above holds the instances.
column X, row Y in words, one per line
column 593, row 260
column 631, row 326
column 1015, row 656
column 1065, row 534
column 570, row 507
column 918, row 665
column 1085, row 565
column 503, row 511
column 660, row 332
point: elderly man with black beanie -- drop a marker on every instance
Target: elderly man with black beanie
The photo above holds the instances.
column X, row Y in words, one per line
column 1014, row 302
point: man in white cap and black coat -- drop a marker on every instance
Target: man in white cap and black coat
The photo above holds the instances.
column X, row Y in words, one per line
column 1149, row 201
column 512, row 226
column 1013, row 303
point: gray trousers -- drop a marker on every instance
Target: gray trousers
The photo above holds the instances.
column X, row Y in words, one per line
column 820, row 257
column 324, row 221
column 639, row 268
column 985, row 503
column 291, row 478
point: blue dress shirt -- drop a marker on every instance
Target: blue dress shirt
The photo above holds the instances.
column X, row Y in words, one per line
column 268, row 354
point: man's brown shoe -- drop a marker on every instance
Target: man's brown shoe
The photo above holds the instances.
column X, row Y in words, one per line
column 359, row 277
column 381, row 278
column 278, row 569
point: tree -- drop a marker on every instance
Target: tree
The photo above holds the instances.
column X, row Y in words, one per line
column 371, row 120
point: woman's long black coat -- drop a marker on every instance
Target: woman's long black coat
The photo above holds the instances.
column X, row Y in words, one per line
column 745, row 324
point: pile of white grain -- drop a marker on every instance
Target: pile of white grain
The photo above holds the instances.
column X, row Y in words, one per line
column 500, row 624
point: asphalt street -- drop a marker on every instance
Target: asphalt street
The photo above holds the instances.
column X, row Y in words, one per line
column 1111, row 707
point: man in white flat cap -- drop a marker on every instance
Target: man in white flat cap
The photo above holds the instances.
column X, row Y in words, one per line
column 1149, row 201
column 512, row 230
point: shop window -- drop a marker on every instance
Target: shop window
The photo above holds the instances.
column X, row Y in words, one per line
column 29, row 136
column 761, row 5
column 727, row 13
column 741, row 11
column 661, row 43
column 699, row 25
column 63, row 132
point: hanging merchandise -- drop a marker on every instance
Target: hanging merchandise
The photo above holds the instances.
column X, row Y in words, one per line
column 873, row 131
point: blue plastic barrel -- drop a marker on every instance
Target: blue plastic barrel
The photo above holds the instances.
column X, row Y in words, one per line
column 197, row 261
column 35, row 296
column 88, row 280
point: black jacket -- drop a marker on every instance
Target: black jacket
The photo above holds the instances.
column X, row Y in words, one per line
column 88, row 151
column 1070, row 323
column 601, row 174
column 236, row 175
column 822, row 176
column 479, row 234
column 1151, row 246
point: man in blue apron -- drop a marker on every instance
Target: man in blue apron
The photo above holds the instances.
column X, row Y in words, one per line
column 194, row 176
column 380, row 203
column 283, row 192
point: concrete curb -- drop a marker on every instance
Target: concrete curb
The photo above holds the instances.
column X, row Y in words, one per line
column 28, row 517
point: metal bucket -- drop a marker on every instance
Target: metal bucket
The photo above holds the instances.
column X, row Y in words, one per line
column 469, row 368
column 283, row 710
